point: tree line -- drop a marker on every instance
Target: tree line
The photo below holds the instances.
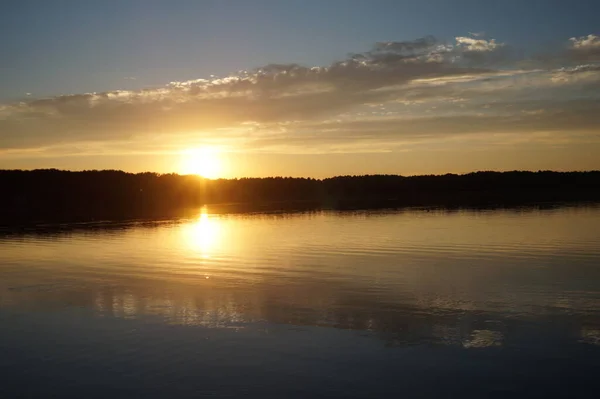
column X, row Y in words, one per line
column 48, row 195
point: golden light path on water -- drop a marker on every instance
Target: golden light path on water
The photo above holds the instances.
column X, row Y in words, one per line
column 204, row 235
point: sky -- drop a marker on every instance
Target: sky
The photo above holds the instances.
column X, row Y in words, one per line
column 229, row 88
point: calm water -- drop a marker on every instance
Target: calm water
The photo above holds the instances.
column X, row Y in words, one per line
column 367, row 304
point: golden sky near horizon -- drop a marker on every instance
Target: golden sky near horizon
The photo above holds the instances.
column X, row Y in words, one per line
column 422, row 106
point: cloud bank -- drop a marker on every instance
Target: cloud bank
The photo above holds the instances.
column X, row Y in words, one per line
column 394, row 95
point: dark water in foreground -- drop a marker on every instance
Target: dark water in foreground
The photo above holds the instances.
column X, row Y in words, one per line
column 461, row 304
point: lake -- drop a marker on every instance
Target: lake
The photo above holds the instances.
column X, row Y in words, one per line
column 411, row 303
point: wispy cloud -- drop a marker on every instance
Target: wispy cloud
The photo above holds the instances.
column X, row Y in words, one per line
column 392, row 94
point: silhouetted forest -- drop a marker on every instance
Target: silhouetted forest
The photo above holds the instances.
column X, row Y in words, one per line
column 51, row 195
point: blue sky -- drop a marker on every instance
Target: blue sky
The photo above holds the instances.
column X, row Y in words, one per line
column 311, row 88
column 66, row 47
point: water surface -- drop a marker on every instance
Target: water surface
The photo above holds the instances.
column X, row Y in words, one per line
column 322, row 304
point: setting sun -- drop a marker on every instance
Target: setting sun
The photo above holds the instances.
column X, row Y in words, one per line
column 204, row 162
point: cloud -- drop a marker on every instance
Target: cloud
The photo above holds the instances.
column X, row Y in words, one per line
column 433, row 82
column 389, row 133
column 471, row 44
column 274, row 92
column 586, row 42
column 581, row 69
column 585, row 48
column 572, row 52
column 587, row 74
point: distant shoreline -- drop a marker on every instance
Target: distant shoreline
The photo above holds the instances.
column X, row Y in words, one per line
column 54, row 196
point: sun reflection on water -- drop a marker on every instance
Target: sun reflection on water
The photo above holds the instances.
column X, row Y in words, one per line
column 204, row 234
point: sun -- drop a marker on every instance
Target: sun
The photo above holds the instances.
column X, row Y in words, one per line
column 204, row 162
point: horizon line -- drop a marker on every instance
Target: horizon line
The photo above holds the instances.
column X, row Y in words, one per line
column 298, row 177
